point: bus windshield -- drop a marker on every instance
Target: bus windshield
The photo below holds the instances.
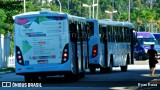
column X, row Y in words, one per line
column 147, row 41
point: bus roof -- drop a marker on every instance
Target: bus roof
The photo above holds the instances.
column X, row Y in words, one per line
column 72, row 17
column 116, row 23
column 36, row 13
column 91, row 19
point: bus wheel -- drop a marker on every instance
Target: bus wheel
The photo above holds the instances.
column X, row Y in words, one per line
column 82, row 75
column 31, row 78
column 124, row 68
column 103, row 70
column 72, row 77
column 92, row 69
column 140, row 57
column 27, row 78
column 75, row 77
column 109, row 69
column 86, row 62
column 43, row 78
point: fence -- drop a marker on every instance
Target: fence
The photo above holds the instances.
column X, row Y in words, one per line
column 11, row 61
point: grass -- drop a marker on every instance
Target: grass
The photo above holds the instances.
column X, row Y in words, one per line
column 7, row 69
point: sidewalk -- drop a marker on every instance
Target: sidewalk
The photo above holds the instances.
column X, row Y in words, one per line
column 155, row 81
column 6, row 72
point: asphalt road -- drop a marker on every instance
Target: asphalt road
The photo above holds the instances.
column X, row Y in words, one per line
column 136, row 78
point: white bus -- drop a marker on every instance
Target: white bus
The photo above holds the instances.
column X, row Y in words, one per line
column 96, row 57
column 110, row 45
column 49, row 43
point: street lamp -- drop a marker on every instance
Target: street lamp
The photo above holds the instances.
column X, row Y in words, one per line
column 129, row 4
column 89, row 6
column 24, row 5
column 111, row 13
column 60, row 6
column 93, row 5
column 68, row 5
column 97, row 9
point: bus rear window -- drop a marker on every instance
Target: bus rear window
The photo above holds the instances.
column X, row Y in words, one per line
column 90, row 28
column 37, row 19
column 40, row 26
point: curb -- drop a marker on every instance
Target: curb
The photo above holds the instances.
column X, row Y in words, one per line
column 155, row 81
column 2, row 73
column 6, row 72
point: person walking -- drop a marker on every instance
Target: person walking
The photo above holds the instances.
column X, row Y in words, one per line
column 152, row 53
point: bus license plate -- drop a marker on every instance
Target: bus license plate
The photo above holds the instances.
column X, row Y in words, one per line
column 42, row 61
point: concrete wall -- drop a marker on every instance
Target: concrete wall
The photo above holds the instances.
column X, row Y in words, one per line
column 4, row 50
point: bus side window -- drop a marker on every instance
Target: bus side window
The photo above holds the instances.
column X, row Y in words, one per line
column 118, row 36
column 100, row 31
column 112, row 37
column 101, row 35
column 127, row 34
column 114, row 33
column 90, row 27
column 123, row 34
column 78, row 31
column 104, row 37
column 84, row 32
column 72, row 28
column 109, row 33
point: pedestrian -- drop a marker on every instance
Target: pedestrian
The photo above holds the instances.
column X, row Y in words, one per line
column 152, row 53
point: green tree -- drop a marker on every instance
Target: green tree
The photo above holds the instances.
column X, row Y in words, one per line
column 2, row 19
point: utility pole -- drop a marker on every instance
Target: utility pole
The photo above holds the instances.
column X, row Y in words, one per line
column 112, row 10
column 129, row 5
column 93, row 8
column 60, row 6
column 24, row 6
column 151, row 4
column 89, row 6
column 68, row 6
column 151, row 26
column 97, row 9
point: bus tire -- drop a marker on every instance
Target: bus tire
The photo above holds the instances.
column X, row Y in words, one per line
column 82, row 75
column 43, row 78
column 103, row 70
column 110, row 68
column 31, row 78
column 140, row 57
column 124, row 68
column 75, row 77
column 92, row 69
column 71, row 77
column 27, row 78
column 86, row 62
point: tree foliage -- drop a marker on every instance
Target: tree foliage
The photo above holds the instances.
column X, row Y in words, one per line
column 141, row 14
